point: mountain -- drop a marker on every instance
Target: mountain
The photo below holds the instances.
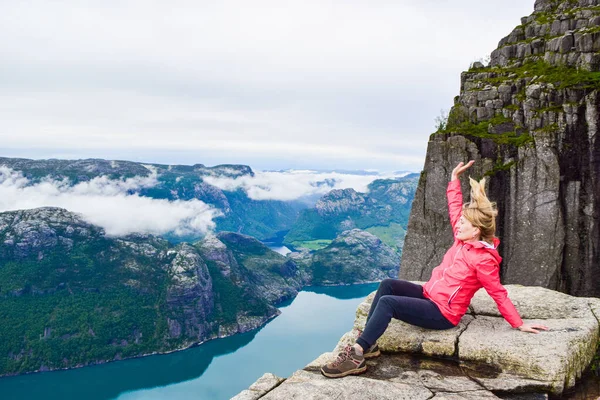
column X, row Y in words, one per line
column 354, row 256
column 261, row 219
column 530, row 120
column 383, row 211
column 71, row 296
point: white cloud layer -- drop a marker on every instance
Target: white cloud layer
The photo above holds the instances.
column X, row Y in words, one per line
column 294, row 184
column 109, row 204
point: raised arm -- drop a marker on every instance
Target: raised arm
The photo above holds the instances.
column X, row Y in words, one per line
column 454, row 194
column 459, row 169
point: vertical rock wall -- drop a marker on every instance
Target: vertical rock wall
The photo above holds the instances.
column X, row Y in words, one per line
column 530, row 120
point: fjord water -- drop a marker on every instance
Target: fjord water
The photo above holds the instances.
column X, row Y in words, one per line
column 309, row 325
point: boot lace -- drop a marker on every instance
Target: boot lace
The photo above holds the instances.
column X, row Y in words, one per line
column 343, row 356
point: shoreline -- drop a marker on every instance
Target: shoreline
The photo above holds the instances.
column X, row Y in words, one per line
column 156, row 353
column 159, row 353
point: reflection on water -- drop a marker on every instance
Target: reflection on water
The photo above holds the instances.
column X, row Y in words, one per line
column 308, row 326
column 281, row 250
column 107, row 381
column 278, row 247
column 344, row 292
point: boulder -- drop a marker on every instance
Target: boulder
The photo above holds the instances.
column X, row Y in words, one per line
column 549, row 361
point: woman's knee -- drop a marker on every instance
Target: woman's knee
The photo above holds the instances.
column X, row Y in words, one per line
column 387, row 302
column 387, row 283
column 384, row 308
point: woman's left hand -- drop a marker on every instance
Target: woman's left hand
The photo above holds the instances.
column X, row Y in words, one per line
column 533, row 328
column 459, row 169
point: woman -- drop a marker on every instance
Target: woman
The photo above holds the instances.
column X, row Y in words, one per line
column 471, row 263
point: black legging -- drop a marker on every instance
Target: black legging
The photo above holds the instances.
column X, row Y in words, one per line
column 404, row 301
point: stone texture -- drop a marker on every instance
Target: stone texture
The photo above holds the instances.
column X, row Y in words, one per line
column 548, row 188
column 553, row 359
column 42, row 230
column 537, row 303
column 306, row 385
column 340, row 201
column 258, row 389
column 474, row 395
column 394, row 376
column 402, row 337
column 483, row 355
column 189, row 294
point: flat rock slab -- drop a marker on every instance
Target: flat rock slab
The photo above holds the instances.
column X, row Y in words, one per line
column 393, row 376
column 552, row 360
column 258, row 389
column 406, row 338
column 537, row 303
column 312, row 386
column 482, row 354
column 548, row 361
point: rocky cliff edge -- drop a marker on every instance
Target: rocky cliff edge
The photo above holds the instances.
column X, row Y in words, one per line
column 480, row 358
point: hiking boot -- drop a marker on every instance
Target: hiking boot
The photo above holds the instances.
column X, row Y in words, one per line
column 346, row 363
column 372, row 352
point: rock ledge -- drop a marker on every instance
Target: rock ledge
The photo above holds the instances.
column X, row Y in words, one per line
column 482, row 355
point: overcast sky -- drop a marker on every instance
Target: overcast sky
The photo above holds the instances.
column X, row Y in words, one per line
column 273, row 84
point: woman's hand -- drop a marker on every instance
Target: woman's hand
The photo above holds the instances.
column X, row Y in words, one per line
column 533, row 328
column 460, row 168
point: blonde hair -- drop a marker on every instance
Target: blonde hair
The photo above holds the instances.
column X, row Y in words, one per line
column 480, row 211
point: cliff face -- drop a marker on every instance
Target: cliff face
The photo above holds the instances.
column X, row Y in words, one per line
column 530, row 120
column 189, row 291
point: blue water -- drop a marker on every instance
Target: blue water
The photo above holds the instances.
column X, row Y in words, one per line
column 219, row 369
column 283, row 250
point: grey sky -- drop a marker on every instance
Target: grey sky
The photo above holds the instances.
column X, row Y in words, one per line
column 272, row 84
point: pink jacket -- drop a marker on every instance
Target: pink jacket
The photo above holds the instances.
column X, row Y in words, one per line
column 465, row 268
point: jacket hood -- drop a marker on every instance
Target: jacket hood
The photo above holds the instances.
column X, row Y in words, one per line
column 493, row 251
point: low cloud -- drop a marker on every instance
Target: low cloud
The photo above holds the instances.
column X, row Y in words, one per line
column 109, row 203
column 293, row 184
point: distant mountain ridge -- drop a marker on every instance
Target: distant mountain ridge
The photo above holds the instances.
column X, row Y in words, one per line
column 86, row 169
column 70, row 295
column 383, row 211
